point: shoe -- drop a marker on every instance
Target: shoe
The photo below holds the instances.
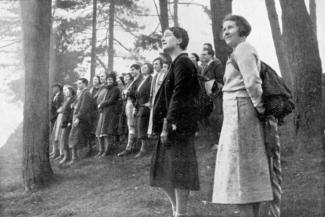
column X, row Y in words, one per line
column 140, row 154
column 99, row 154
column 58, row 157
column 124, row 153
column 63, row 161
column 214, row 147
column 55, row 155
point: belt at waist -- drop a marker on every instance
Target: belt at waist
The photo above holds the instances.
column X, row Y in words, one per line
column 234, row 94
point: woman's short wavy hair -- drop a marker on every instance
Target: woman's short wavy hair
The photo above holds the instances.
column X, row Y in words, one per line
column 180, row 33
column 243, row 25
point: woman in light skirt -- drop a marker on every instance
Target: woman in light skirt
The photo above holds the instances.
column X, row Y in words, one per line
column 242, row 172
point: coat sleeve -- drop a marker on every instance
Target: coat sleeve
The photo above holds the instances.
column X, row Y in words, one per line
column 183, row 73
column 85, row 107
column 247, row 62
column 111, row 98
column 218, row 71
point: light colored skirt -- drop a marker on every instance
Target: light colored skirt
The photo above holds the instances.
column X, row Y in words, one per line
column 57, row 130
column 242, row 171
column 129, row 115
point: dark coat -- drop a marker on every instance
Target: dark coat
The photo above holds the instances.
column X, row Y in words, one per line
column 175, row 98
column 214, row 70
column 142, row 96
column 109, row 111
column 95, row 114
column 67, row 112
column 83, row 106
column 55, row 105
column 175, row 165
column 133, row 89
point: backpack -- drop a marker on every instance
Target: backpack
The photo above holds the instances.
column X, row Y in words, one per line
column 277, row 97
column 202, row 102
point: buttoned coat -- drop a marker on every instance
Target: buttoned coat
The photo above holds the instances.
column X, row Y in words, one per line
column 174, row 165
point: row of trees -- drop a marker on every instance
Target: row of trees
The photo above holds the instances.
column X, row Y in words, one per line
column 296, row 47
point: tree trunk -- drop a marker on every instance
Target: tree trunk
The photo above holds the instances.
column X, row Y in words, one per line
column 175, row 17
column 219, row 9
column 36, row 21
column 303, row 56
column 111, row 36
column 279, row 43
column 312, row 11
column 163, row 5
column 93, row 41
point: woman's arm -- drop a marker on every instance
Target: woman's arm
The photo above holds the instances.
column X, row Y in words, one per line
column 111, row 98
column 247, row 62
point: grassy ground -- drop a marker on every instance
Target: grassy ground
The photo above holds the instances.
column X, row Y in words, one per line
column 118, row 187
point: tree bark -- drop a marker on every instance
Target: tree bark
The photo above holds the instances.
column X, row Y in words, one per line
column 93, row 41
column 304, row 58
column 111, row 36
column 279, row 43
column 36, row 20
column 219, row 9
column 175, row 17
column 313, row 16
column 163, row 5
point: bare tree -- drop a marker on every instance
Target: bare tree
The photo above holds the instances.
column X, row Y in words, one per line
column 36, row 20
column 219, row 9
column 111, row 36
column 279, row 43
column 164, row 22
column 93, row 41
column 312, row 11
column 175, row 15
column 303, row 55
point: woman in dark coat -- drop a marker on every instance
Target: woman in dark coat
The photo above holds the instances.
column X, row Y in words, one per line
column 174, row 165
column 66, row 110
column 108, row 106
column 142, row 107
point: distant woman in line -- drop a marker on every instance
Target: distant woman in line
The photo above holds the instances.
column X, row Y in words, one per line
column 67, row 113
column 142, row 108
column 108, row 106
column 174, row 165
column 242, row 172
column 56, row 103
column 95, row 114
column 123, row 126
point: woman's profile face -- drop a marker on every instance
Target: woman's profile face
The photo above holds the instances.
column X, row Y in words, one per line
column 95, row 81
column 169, row 41
column 102, row 77
column 231, row 33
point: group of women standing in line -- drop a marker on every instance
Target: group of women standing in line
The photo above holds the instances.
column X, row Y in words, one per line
column 119, row 108
column 241, row 173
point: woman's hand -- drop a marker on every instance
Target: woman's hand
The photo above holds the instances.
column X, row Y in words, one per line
column 76, row 122
column 163, row 138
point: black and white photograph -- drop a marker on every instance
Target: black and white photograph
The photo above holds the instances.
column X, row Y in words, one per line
column 162, row 108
